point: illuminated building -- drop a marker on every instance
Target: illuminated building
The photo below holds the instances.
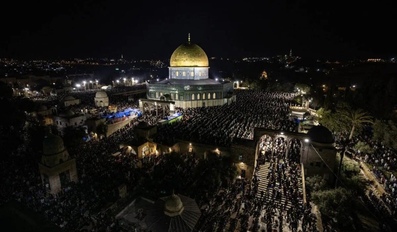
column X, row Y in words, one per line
column 188, row 84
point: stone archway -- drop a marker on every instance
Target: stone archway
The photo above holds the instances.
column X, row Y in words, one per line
column 264, row 149
column 293, row 145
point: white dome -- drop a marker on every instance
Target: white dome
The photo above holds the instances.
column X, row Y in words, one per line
column 101, row 94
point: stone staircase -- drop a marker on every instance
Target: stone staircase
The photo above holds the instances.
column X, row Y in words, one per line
column 263, row 181
column 263, row 185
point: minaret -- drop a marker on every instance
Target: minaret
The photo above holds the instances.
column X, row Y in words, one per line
column 188, row 38
column 56, row 167
column 290, row 52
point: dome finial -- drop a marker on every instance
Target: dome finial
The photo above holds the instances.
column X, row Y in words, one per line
column 188, row 37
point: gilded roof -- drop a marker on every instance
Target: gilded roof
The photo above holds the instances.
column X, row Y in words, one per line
column 189, row 55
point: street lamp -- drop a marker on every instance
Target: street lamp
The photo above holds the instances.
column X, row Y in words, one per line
column 306, row 149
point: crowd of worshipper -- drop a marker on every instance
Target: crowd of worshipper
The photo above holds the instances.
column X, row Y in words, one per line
column 219, row 125
column 277, row 206
column 81, row 205
column 282, row 193
column 382, row 160
column 77, row 204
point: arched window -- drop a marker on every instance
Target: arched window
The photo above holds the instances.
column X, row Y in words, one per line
column 192, row 74
column 184, row 74
column 214, row 95
column 192, row 96
column 198, row 96
column 203, row 96
column 176, row 97
column 177, row 73
column 209, row 96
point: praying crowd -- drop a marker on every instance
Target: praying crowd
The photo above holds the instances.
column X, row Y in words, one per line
column 219, row 125
column 271, row 201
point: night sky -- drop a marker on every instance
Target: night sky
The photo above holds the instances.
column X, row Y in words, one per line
column 153, row 29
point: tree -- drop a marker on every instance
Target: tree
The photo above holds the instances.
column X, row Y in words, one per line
column 329, row 119
column 344, row 119
column 363, row 147
column 316, row 183
column 385, row 131
column 356, row 118
column 335, row 203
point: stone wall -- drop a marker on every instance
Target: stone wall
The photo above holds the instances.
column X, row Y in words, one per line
column 117, row 126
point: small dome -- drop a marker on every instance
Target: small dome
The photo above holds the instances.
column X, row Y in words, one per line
column 189, row 55
column 101, row 94
column 52, row 144
column 173, row 205
column 320, row 134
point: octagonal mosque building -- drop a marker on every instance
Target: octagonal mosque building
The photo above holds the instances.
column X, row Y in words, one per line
column 188, row 84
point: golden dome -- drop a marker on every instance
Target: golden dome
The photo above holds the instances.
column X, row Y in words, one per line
column 189, row 55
